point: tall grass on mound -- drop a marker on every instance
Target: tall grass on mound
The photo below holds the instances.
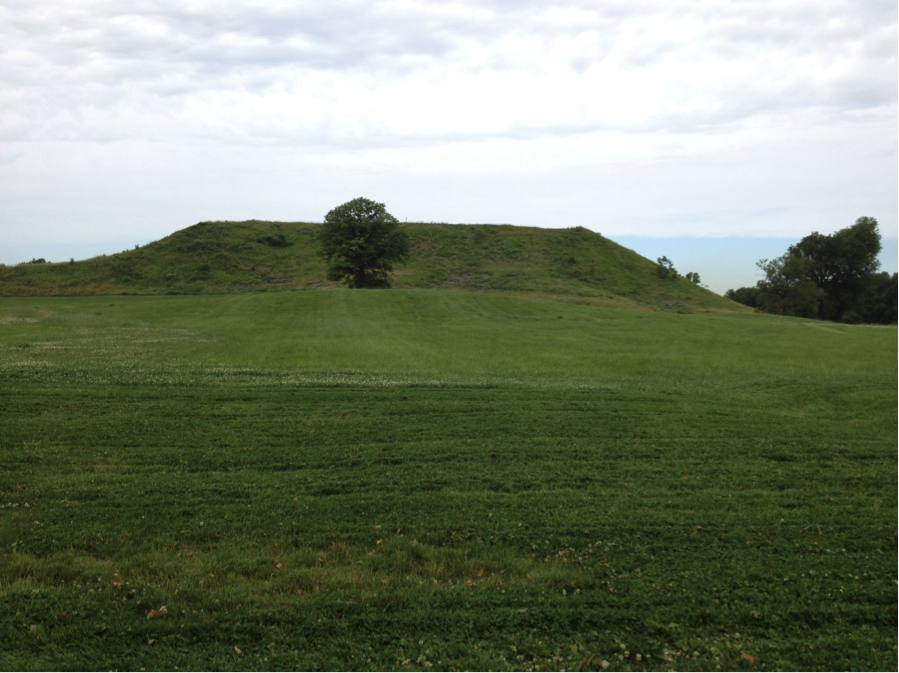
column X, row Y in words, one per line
column 571, row 265
column 421, row 480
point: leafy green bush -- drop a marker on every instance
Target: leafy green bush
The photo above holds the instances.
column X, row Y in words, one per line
column 665, row 268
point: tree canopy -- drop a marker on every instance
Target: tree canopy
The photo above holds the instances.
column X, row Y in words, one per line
column 361, row 242
column 787, row 286
column 824, row 276
column 841, row 264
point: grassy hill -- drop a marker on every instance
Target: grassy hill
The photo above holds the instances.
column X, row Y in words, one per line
column 232, row 257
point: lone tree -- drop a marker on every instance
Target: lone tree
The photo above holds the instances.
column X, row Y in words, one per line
column 361, row 243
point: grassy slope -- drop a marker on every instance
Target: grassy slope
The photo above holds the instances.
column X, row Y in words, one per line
column 226, row 257
column 375, row 480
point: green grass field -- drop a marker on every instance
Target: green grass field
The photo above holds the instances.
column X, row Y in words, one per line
column 417, row 479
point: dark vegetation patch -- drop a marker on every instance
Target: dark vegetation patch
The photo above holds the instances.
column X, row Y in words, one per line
column 277, row 241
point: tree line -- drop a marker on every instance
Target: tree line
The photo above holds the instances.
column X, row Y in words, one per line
column 828, row 277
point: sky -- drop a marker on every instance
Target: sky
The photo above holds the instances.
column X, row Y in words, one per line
column 718, row 131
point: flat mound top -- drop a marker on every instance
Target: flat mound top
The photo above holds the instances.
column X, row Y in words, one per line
column 572, row 265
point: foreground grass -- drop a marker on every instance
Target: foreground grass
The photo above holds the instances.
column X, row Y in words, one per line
column 416, row 480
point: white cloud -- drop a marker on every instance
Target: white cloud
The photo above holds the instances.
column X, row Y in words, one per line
column 387, row 72
column 719, row 118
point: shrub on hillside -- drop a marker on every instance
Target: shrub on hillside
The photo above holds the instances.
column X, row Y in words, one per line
column 665, row 268
column 277, row 241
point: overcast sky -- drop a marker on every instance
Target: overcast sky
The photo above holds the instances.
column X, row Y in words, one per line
column 121, row 122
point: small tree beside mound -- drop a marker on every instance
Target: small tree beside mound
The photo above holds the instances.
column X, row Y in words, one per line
column 665, row 268
column 361, row 243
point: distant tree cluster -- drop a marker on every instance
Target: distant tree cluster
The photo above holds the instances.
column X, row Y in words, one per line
column 665, row 269
column 828, row 277
column 39, row 260
column 748, row 296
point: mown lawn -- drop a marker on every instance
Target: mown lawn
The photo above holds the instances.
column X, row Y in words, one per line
column 417, row 480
